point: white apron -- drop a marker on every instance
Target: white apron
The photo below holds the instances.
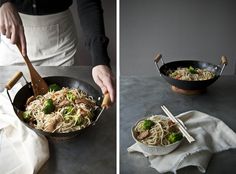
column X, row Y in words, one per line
column 51, row 41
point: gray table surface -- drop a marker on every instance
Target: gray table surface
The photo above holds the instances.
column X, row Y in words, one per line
column 93, row 151
column 140, row 96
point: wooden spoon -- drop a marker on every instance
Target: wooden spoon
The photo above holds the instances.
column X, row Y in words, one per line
column 39, row 86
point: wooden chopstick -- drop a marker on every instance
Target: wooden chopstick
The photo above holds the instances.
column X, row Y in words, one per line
column 172, row 116
column 181, row 128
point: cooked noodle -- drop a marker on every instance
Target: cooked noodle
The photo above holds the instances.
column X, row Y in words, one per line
column 196, row 74
column 60, row 120
column 158, row 133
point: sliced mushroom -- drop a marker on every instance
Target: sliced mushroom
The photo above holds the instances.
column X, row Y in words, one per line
column 63, row 103
column 143, row 135
column 86, row 102
column 51, row 126
column 32, row 98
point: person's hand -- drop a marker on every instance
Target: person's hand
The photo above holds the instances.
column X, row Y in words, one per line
column 103, row 77
column 11, row 26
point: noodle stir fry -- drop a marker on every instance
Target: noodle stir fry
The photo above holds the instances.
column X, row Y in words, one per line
column 61, row 110
column 156, row 131
column 191, row 74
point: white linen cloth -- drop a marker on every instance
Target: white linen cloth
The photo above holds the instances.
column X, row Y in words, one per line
column 211, row 135
column 21, row 149
column 51, row 41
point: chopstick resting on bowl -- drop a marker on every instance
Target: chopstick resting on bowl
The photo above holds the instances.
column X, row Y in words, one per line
column 181, row 127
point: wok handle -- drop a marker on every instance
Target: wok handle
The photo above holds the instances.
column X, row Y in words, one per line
column 157, row 58
column 106, row 100
column 223, row 62
column 13, row 80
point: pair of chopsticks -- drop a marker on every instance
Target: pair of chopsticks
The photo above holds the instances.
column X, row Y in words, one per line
column 180, row 125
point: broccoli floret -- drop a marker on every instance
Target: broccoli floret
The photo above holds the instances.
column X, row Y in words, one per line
column 69, row 110
column 70, row 96
column 54, row 87
column 147, row 124
column 192, row 70
column 48, row 106
column 26, row 116
column 173, row 137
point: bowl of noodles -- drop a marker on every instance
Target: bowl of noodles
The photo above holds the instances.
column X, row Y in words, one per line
column 157, row 135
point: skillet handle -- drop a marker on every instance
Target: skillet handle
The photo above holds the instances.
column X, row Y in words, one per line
column 223, row 62
column 13, row 80
column 106, row 101
column 157, row 58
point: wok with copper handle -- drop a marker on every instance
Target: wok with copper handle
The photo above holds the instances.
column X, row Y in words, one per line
column 165, row 69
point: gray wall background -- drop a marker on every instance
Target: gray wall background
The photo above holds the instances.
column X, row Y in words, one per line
column 184, row 29
column 109, row 13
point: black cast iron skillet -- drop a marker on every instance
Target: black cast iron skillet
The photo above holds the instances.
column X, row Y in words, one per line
column 26, row 92
column 190, row 85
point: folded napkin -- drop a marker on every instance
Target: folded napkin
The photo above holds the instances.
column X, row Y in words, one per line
column 211, row 135
column 21, row 149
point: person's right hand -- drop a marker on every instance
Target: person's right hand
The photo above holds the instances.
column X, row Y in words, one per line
column 11, row 26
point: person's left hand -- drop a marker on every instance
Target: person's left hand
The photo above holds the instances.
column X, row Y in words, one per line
column 103, row 77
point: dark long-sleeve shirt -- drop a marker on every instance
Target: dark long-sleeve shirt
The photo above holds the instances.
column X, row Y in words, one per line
column 91, row 19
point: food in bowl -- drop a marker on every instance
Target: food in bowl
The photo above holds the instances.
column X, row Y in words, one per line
column 157, row 135
column 157, row 130
column 191, row 74
column 60, row 110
